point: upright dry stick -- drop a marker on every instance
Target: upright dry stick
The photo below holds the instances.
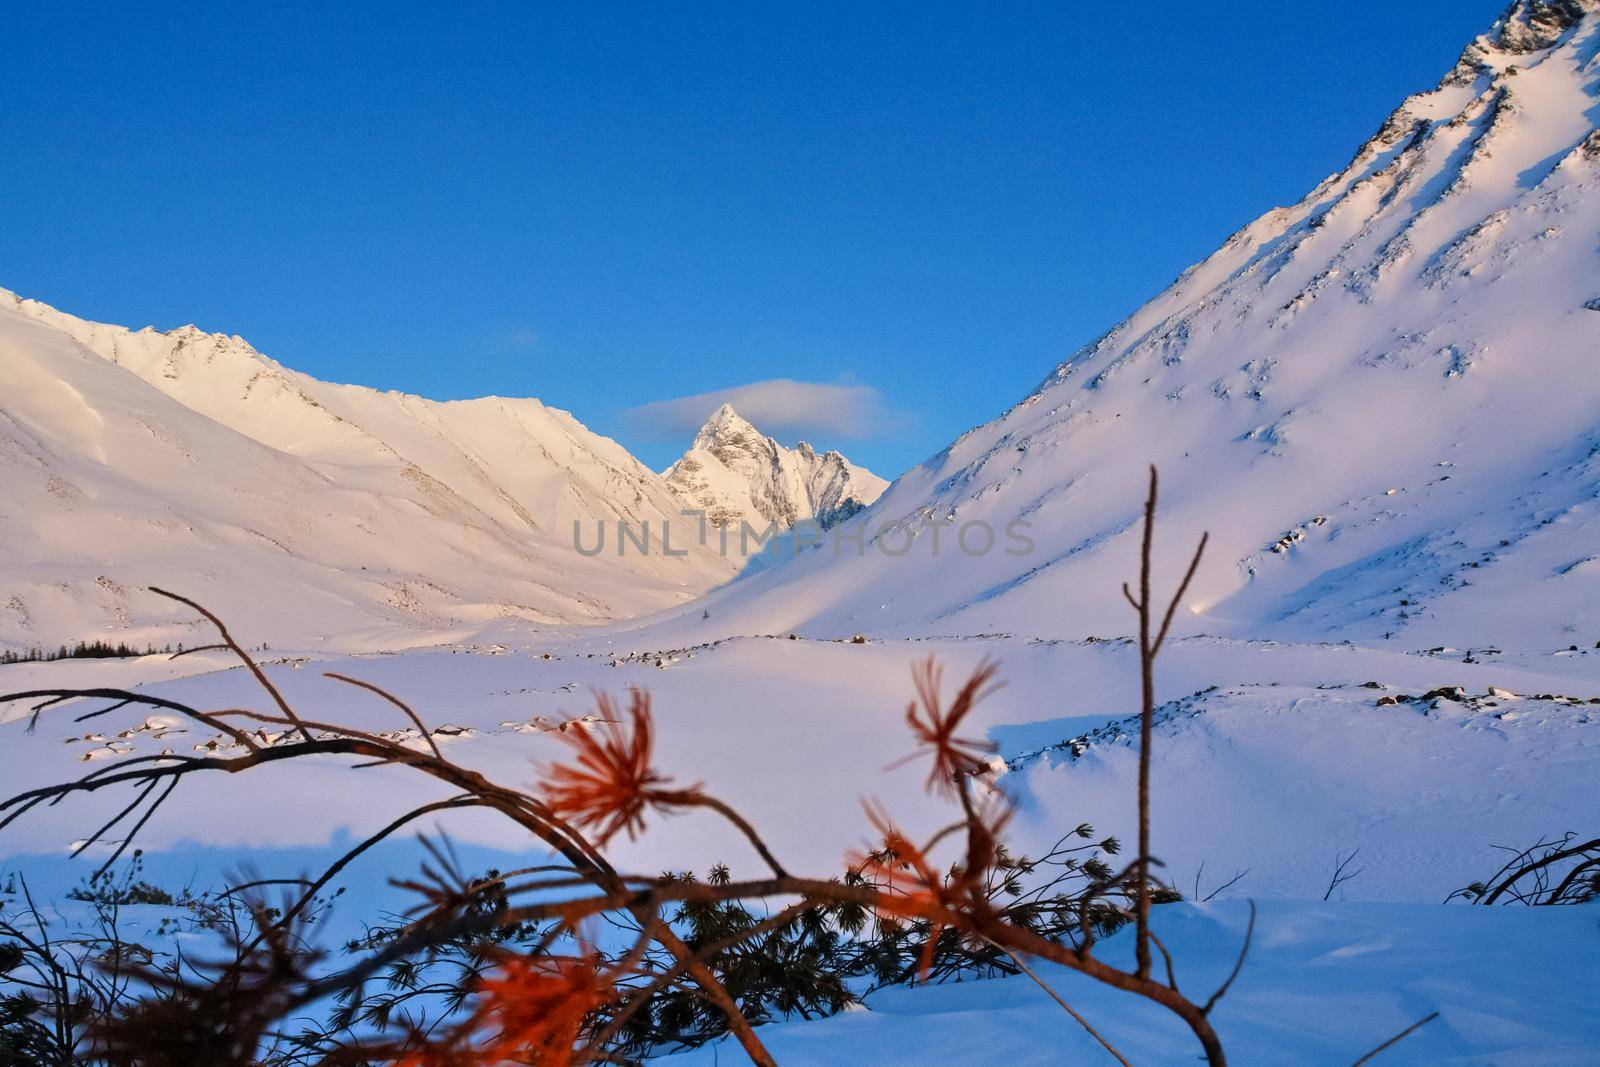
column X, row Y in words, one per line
column 1149, row 648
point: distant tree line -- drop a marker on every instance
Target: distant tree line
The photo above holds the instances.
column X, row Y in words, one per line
column 96, row 649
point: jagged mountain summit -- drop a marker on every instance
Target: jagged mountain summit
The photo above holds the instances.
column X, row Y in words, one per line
column 313, row 511
column 1382, row 401
column 735, row 473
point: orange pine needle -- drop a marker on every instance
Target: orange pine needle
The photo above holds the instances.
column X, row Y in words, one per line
column 612, row 781
column 935, row 727
column 912, row 887
column 531, row 1012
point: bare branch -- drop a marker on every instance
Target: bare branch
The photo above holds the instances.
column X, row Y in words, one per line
column 126, row 841
column 1149, row 647
column 1340, row 862
column 1177, row 597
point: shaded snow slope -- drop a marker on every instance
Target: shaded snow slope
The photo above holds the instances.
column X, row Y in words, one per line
column 190, row 460
column 735, row 473
column 1323, row 985
column 1382, row 401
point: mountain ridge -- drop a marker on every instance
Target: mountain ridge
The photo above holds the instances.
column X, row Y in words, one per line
column 449, row 514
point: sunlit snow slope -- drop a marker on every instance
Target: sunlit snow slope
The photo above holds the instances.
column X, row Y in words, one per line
column 1383, row 402
column 313, row 511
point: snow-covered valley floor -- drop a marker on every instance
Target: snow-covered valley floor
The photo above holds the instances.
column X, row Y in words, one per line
column 1272, row 760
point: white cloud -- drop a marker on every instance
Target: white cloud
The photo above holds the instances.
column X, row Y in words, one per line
column 781, row 407
column 518, row 337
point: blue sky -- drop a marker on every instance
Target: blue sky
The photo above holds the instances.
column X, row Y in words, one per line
column 918, row 209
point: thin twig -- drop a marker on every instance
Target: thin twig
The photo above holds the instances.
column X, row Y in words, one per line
column 1042, row 984
column 391, row 698
column 238, row 650
column 1238, row 964
column 118, row 817
column 1229, row 884
column 744, row 827
column 1397, row 1038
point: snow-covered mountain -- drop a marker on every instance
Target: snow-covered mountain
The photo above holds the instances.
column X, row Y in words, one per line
column 190, row 460
column 1383, row 401
column 735, row 473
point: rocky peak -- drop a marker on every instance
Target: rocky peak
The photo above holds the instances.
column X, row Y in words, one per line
column 735, row 473
column 725, row 427
column 1534, row 25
